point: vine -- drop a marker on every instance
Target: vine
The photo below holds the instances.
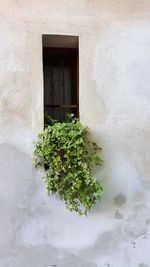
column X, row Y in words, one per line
column 68, row 155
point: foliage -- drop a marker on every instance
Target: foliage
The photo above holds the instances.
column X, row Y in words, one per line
column 48, row 120
column 68, row 155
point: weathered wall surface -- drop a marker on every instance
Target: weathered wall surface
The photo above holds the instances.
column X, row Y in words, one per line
column 37, row 231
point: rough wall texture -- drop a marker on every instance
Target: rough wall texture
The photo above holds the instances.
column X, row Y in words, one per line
column 37, row 231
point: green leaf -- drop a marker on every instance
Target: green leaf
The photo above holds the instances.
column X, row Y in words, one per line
column 68, row 155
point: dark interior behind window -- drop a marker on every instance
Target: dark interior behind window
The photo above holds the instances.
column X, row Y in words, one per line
column 60, row 66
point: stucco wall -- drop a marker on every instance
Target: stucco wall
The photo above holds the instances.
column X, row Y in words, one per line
column 35, row 230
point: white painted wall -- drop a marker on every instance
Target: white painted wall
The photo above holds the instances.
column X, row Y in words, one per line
column 35, row 230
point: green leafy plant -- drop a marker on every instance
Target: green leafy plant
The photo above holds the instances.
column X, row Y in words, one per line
column 68, row 155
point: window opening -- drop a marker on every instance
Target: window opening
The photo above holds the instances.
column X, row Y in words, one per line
column 60, row 68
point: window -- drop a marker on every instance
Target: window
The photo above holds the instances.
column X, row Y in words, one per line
column 60, row 68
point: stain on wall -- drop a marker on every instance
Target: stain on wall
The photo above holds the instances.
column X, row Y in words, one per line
column 142, row 265
column 114, row 40
column 136, row 224
column 119, row 200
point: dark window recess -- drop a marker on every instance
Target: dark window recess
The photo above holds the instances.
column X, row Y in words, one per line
column 60, row 82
